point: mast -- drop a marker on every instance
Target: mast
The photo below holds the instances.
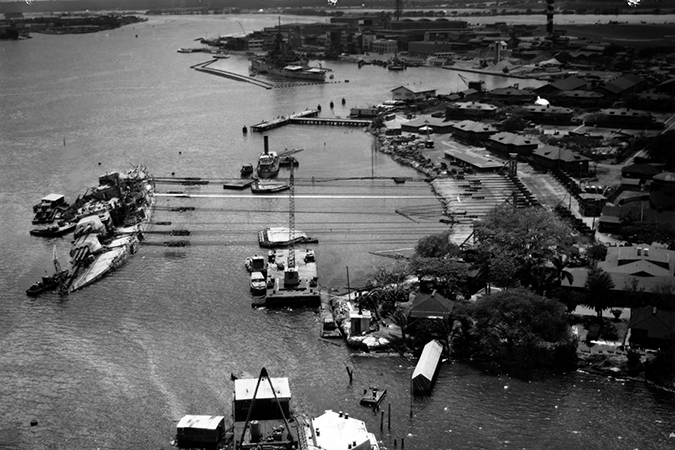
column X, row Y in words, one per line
column 63, row 289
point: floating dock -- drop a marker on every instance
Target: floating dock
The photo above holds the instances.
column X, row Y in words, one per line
column 304, row 291
column 276, row 237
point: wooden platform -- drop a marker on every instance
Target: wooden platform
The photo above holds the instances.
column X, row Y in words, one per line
column 373, row 396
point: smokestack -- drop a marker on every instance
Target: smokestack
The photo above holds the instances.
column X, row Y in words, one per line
column 549, row 17
column 267, row 145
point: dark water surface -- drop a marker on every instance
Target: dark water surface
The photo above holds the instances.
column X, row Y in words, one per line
column 115, row 365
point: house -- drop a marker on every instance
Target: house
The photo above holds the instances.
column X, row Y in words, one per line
column 547, row 114
column 641, row 171
column 643, row 267
column 511, row 96
column 651, row 327
column 506, row 143
column 627, row 118
column 472, row 132
column 468, row 110
column 426, row 370
column 418, row 125
column 413, row 92
column 623, row 85
column 553, row 157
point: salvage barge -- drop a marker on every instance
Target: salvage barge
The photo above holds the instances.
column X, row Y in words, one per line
column 292, row 282
column 263, row 419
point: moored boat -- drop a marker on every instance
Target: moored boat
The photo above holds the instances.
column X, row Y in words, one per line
column 49, row 209
column 258, row 283
column 268, row 162
column 260, row 187
column 54, row 230
column 47, row 283
column 373, row 396
column 256, row 263
column 246, row 170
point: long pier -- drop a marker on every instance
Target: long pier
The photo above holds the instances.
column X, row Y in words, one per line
column 283, row 120
column 308, row 117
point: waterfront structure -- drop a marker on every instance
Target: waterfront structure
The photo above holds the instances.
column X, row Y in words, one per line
column 418, row 125
column 412, row 92
column 383, row 46
column 426, row 370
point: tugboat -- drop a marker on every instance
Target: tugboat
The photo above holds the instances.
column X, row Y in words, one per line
column 256, row 264
column 268, row 162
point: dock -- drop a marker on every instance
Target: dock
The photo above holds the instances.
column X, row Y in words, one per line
column 309, row 117
column 304, row 293
column 283, row 120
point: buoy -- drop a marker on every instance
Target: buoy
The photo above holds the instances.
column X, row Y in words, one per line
column 244, row 129
column 33, row 423
column 318, row 107
column 343, row 101
column 331, row 105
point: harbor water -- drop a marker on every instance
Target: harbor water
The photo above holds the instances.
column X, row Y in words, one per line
column 115, row 365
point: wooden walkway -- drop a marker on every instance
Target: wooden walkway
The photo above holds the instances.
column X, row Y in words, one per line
column 308, row 118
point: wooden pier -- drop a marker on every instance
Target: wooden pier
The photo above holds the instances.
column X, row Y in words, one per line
column 308, row 117
column 283, row 120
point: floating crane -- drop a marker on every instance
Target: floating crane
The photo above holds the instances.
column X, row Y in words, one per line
column 291, row 275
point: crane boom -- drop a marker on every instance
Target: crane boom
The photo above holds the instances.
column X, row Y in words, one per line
column 291, row 217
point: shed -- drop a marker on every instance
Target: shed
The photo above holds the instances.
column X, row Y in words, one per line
column 425, row 372
column 265, row 404
column 200, row 431
column 651, row 327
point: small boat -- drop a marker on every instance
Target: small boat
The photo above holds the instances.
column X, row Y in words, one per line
column 54, row 230
column 256, row 264
column 237, row 184
column 221, row 55
column 49, row 208
column 47, row 283
column 373, row 396
column 288, row 160
column 259, row 187
column 258, row 283
column 246, row 170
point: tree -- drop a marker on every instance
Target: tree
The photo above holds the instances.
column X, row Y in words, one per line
column 509, row 239
column 598, row 291
column 517, row 332
column 450, row 273
column 436, row 246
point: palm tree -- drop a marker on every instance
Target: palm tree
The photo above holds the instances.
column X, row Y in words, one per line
column 598, row 291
